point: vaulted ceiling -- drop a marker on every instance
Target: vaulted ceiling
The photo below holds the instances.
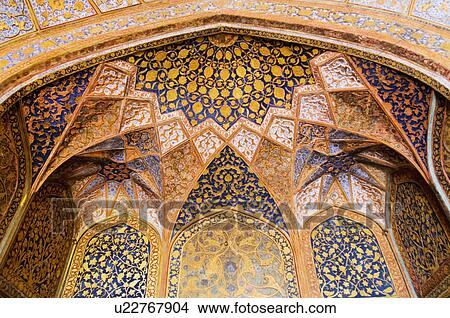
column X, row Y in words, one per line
column 169, row 111
column 212, row 121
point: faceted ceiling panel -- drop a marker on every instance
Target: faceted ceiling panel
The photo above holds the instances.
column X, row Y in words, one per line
column 120, row 175
column 47, row 111
column 337, row 168
column 407, row 99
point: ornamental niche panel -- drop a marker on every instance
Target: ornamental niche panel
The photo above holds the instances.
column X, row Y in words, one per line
column 117, row 258
column 115, row 265
column 422, row 233
column 349, row 261
column 231, row 255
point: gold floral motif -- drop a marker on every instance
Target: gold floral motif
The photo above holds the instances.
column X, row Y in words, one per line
column 8, row 166
column 98, row 120
column 36, row 260
column 239, row 77
column 231, row 255
column 13, row 167
column 115, row 264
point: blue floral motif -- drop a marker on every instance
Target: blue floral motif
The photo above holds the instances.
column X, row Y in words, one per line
column 409, row 100
column 47, row 111
column 228, row 182
column 348, row 260
column 115, row 265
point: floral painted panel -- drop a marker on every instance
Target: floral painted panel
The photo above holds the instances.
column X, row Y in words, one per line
column 228, row 182
column 47, row 112
column 425, row 245
column 115, row 265
column 349, row 261
column 232, row 255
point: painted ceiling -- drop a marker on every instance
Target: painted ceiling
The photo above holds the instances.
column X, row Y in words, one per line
column 227, row 120
column 41, row 35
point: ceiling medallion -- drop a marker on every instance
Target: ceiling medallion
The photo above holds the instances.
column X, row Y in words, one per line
column 223, row 39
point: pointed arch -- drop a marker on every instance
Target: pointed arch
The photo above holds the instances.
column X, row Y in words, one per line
column 376, row 253
column 231, row 254
column 139, row 262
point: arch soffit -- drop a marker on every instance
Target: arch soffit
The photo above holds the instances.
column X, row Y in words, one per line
column 429, row 67
column 439, row 83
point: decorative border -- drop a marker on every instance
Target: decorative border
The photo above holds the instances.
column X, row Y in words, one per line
column 358, row 19
column 185, row 234
column 13, row 118
column 442, row 290
column 76, row 260
column 442, row 109
column 442, row 274
column 408, row 16
column 307, row 260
